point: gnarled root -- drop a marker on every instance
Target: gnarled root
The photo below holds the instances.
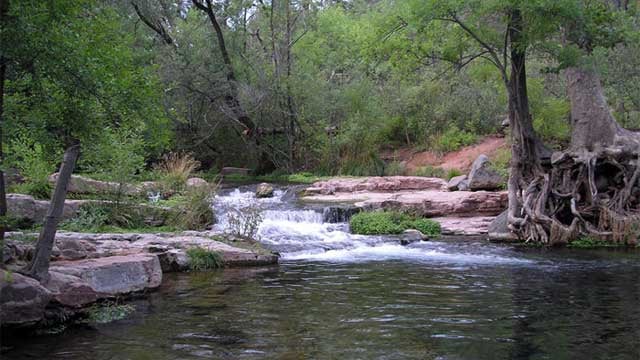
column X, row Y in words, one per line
column 593, row 194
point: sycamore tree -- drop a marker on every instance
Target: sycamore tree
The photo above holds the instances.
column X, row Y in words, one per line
column 71, row 75
column 591, row 188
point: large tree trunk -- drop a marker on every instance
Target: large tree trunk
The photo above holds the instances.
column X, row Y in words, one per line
column 39, row 267
column 526, row 148
column 593, row 125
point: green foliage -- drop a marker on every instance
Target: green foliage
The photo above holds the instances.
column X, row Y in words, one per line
column 105, row 216
column 34, row 164
column 175, row 169
column 587, row 242
column 193, row 210
column 501, row 162
column 429, row 171
column 394, row 168
column 385, row 223
column 451, row 173
column 117, row 155
column 108, row 312
column 202, row 259
column 453, row 139
column 245, row 222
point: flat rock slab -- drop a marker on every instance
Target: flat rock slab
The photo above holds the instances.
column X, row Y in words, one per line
column 428, row 203
column 468, row 226
column 376, row 184
column 115, row 275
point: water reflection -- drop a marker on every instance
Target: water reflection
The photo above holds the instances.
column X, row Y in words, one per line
column 566, row 306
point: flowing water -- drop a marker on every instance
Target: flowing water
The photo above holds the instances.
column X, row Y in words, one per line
column 340, row 296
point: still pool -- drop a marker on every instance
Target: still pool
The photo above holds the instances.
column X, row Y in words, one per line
column 455, row 300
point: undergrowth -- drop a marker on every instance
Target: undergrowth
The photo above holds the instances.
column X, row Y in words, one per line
column 391, row 222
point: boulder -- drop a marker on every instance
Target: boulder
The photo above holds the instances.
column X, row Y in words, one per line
column 455, row 181
column 174, row 260
column 83, row 185
column 69, row 290
column 463, row 185
column 499, row 229
column 264, row 190
column 115, row 275
column 74, row 249
column 21, row 206
column 339, row 214
column 410, row 236
column 195, row 182
column 27, row 208
column 22, row 299
column 376, row 184
column 482, row 176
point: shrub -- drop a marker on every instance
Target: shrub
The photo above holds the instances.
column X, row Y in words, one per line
column 193, row 210
column 429, row 171
column 202, row 259
column 175, row 169
column 31, row 160
column 454, row 138
column 389, row 223
column 245, row 222
column 109, row 216
column 394, row 168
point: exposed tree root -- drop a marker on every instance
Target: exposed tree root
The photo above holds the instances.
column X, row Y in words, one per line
column 593, row 194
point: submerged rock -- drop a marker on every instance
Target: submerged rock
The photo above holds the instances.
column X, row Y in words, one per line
column 339, row 214
column 482, row 176
column 264, row 190
column 411, row 235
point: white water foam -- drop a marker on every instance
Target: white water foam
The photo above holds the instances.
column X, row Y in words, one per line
column 301, row 234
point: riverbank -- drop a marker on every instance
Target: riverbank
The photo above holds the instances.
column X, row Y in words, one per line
column 89, row 268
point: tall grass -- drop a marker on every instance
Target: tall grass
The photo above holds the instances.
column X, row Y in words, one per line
column 175, row 169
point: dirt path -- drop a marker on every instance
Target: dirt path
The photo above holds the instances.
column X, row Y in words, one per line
column 460, row 159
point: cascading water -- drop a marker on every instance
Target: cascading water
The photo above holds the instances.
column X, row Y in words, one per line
column 302, row 233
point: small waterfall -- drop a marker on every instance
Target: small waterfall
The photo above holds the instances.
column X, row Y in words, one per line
column 322, row 234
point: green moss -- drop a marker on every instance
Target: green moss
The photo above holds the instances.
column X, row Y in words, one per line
column 587, row 242
column 202, row 259
column 108, row 312
column 389, row 223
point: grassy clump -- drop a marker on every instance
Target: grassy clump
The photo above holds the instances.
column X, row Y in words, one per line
column 429, row 171
column 108, row 312
column 389, row 223
column 202, row 259
column 193, row 210
column 175, row 169
column 100, row 217
column 454, row 138
column 276, row 177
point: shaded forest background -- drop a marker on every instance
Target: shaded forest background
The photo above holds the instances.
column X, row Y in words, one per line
column 281, row 86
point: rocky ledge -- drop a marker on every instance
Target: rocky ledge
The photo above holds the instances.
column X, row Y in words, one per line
column 86, row 268
column 459, row 212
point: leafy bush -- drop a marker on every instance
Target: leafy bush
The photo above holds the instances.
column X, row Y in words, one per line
column 429, row 171
column 175, row 169
column 383, row 223
column 193, row 210
column 202, row 259
column 244, row 222
column 394, row 168
column 552, row 122
column 454, row 138
column 31, row 160
column 109, row 216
